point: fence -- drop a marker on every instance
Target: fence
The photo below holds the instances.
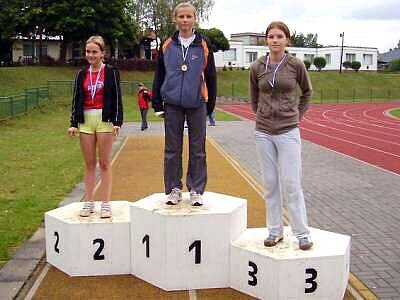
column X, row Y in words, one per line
column 66, row 87
column 238, row 92
column 11, row 106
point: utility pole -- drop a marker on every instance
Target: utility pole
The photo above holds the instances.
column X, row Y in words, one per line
column 341, row 53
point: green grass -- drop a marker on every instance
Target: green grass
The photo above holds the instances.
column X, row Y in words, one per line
column 39, row 165
column 395, row 113
column 327, row 85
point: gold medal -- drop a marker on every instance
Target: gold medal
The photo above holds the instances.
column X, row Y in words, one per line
column 184, row 67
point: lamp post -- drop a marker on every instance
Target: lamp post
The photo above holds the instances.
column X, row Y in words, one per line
column 341, row 53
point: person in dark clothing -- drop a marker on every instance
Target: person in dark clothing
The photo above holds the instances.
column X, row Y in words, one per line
column 143, row 98
column 184, row 87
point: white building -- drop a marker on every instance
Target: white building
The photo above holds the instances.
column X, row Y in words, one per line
column 245, row 48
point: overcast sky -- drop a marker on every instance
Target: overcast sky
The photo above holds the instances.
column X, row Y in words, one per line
column 366, row 23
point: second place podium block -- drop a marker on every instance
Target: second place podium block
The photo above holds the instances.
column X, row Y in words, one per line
column 89, row 246
column 185, row 247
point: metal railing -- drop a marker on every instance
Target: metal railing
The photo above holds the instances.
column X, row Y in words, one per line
column 14, row 105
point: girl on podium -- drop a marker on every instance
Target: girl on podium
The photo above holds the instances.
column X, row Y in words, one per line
column 96, row 117
column 273, row 82
column 184, row 87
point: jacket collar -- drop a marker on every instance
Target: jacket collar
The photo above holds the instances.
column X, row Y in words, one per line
column 197, row 39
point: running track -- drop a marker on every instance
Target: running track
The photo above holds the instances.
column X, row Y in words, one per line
column 360, row 130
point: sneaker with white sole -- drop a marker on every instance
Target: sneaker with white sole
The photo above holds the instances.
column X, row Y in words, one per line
column 105, row 210
column 174, row 197
column 272, row 240
column 305, row 243
column 87, row 209
column 196, row 199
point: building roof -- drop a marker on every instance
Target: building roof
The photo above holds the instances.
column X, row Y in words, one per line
column 389, row 56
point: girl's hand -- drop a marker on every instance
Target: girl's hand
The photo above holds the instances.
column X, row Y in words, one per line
column 73, row 131
column 116, row 130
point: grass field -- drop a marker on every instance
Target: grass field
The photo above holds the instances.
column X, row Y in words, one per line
column 395, row 113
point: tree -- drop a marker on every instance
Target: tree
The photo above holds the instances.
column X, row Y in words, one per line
column 306, row 41
column 76, row 20
column 217, row 39
column 355, row 65
column 319, row 63
column 157, row 14
column 307, row 64
column 394, row 65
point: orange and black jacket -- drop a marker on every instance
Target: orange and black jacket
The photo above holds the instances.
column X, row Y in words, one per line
column 189, row 88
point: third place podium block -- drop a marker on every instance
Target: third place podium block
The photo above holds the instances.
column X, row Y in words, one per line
column 185, row 247
column 89, row 246
column 285, row 272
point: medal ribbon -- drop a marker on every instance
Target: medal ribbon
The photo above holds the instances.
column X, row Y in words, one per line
column 94, row 88
column 272, row 84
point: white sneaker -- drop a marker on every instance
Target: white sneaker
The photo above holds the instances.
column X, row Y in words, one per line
column 174, row 197
column 105, row 211
column 87, row 209
column 196, row 198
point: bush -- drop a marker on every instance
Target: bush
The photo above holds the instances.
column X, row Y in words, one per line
column 355, row 65
column 394, row 65
column 346, row 64
column 307, row 63
column 319, row 63
column 134, row 64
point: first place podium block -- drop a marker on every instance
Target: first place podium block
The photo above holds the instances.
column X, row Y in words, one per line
column 185, row 247
column 89, row 246
column 285, row 272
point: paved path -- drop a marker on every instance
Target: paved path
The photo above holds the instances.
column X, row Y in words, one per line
column 345, row 196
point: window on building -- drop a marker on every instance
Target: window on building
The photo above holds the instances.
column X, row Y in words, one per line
column 309, row 57
column 28, row 50
column 350, row 57
column 230, row 55
column 251, row 56
column 328, row 59
column 367, row 59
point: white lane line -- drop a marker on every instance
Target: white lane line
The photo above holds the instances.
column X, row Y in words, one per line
column 351, row 142
column 37, row 283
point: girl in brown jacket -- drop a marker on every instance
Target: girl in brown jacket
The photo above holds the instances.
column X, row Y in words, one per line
column 273, row 82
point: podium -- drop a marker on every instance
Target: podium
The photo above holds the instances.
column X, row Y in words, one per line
column 285, row 271
column 185, row 247
column 89, row 246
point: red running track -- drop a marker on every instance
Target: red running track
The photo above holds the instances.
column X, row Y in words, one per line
column 361, row 130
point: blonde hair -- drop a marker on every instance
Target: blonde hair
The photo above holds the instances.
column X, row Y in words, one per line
column 183, row 5
column 98, row 40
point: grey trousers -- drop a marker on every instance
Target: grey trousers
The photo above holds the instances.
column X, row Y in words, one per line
column 196, row 177
column 280, row 159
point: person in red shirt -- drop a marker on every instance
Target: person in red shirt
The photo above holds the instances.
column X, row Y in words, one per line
column 143, row 98
column 96, row 117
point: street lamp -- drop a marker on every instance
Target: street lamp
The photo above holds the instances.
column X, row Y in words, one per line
column 341, row 53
